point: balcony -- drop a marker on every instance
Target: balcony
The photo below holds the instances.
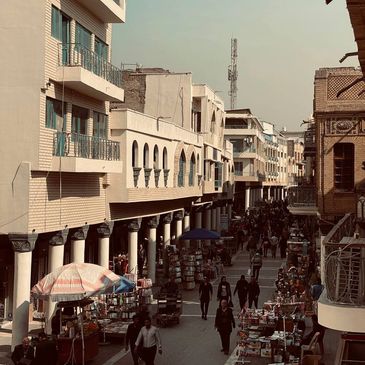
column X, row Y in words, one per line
column 302, row 200
column 109, row 11
column 74, row 152
column 342, row 304
column 88, row 73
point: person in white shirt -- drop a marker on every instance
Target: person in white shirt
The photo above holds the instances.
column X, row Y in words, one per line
column 150, row 337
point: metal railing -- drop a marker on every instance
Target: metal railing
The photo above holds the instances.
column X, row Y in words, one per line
column 302, row 196
column 345, row 264
column 80, row 145
column 75, row 54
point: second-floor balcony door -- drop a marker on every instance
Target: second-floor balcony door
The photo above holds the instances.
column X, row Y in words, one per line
column 101, row 52
column 83, row 47
column 79, row 130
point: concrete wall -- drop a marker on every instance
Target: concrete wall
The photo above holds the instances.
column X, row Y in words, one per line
column 22, row 63
column 169, row 95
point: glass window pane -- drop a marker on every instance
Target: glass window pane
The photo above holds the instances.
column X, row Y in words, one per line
column 56, row 23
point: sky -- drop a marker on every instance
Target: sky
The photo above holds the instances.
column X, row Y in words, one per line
column 280, row 45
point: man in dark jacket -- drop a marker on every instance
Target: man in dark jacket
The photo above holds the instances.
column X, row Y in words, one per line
column 253, row 292
column 131, row 337
column 23, row 353
column 224, row 321
column 224, row 290
column 241, row 288
column 205, row 294
column 45, row 351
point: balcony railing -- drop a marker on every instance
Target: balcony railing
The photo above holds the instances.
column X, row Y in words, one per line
column 75, row 54
column 345, row 264
column 80, row 145
column 302, row 196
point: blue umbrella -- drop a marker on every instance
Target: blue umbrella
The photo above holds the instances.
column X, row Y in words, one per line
column 200, row 234
column 124, row 285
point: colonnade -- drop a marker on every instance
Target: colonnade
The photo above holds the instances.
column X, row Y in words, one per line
column 24, row 244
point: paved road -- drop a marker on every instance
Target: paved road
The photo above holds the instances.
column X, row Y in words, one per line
column 195, row 341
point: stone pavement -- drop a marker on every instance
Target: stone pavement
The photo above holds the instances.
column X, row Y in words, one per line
column 194, row 341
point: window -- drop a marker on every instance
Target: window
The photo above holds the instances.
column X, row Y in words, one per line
column 79, row 120
column 83, row 36
column 218, row 175
column 164, row 159
column 135, row 154
column 237, row 145
column 236, row 123
column 238, row 168
column 60, row 26
column 54, row 118
column 192, row 170
column 155, row 157
column 101, row 49
column 212, row 124
column 100, row 125
column 83, row 47
column 182, row 167
column 146, row 156
column 343, row 154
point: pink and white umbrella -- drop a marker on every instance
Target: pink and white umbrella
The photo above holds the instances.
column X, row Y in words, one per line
column 74, row 282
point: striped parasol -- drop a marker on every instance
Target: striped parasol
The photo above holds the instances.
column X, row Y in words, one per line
column 74, row 281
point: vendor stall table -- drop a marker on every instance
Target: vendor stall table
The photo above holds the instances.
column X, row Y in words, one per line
column 67, row 345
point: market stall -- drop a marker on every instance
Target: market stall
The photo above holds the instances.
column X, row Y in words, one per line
column 73, row 283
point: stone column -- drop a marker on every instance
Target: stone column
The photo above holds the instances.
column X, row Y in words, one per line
column 104, row 231
column 178, row 216
column 78, row 244
column 186, row 228
column 198, row 219
column 133, row 228
column 207, row 219
column 247, row 198
column 229, row 211
column 261, row 193
column 56, row 251
column 214, row 219
column 218, row 219
column 23, row 245
column 268, row 193
column 167, row 230
column 151, row 251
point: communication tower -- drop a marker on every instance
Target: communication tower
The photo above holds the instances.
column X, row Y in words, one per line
column 233, row 73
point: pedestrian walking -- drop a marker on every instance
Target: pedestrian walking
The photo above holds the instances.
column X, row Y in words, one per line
column 266, row 244
column 131, row 338
column 149, row 338
column 205, row 294
column 256, row 263
column 251, row 246
column 274, row 244
column 45, row 351
column 253, row 292
column 224, row 322
column 141, row 259
column 224, row 290
column 242, row 289
column 23, row 354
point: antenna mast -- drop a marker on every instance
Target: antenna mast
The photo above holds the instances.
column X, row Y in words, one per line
column 233, row 73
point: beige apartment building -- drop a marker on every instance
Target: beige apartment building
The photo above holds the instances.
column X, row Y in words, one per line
column 76, row 177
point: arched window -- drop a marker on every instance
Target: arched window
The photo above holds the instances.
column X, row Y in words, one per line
column 192, row 171
column 182, row 168
column 198, row 163
column 155, row 157
column 212, row 124
column 146, row 153
column 135, row 154
column 164, row 159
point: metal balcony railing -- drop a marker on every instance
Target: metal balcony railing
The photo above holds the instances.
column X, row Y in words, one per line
column 75, row 54
column 302, row 196
column 345, row 264
column 80, row 145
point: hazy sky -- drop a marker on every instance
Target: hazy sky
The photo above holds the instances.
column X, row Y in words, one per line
column 280, row 45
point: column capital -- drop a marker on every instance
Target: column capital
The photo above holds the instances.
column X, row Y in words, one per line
column 81, row 233
column 152, row 223
column 133, row 226
column 178, row 216
column 23, row 242
column 186, row 213
column 105, row 229
column 59, row 238
column 167, row 219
